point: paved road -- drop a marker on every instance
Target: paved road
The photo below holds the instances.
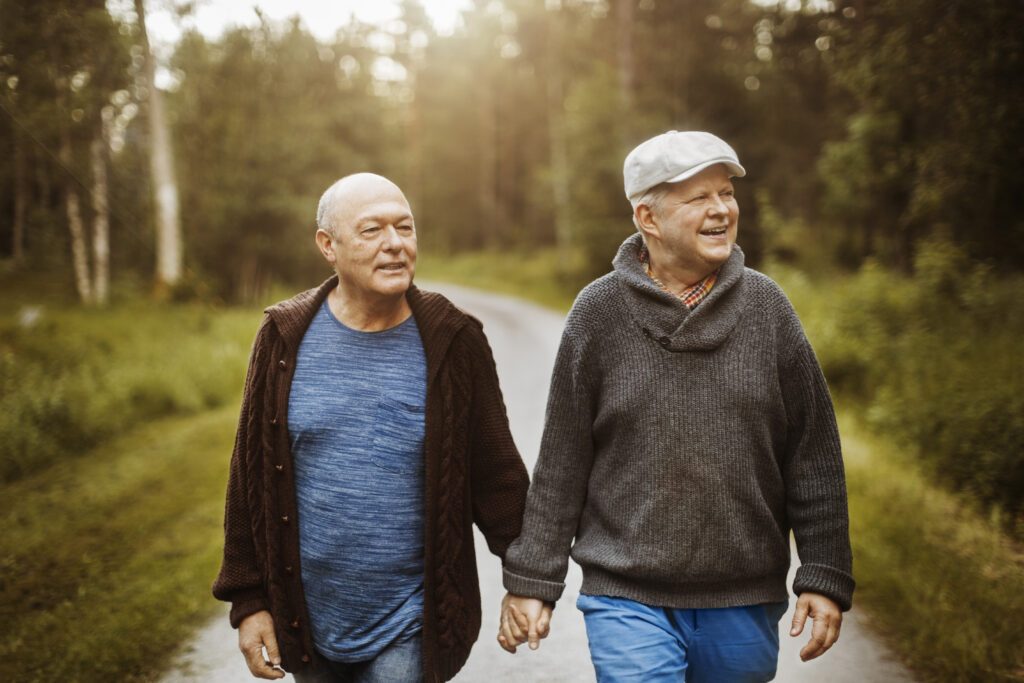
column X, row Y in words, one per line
column 524, row 338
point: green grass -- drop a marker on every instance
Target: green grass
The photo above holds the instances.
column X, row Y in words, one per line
column 108, row 558
column 941, row 581
column 75, row 377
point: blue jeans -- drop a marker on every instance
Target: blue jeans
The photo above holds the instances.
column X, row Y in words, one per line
column 631, row 641
column 398, row 663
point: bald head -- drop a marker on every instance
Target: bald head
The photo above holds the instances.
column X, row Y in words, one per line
column 343, row 201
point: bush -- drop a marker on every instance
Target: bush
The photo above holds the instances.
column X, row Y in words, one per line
column 935, row 360
column 74, row 377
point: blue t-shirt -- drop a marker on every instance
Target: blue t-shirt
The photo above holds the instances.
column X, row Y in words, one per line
column 356, row 423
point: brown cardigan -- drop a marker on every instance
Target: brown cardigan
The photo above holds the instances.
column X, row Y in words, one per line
column 473, row 474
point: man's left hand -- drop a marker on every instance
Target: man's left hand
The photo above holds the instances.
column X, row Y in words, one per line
column 827, row 617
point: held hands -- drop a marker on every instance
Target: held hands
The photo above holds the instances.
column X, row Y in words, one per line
column 254, row 633
column 522, row 620
column 827, row 617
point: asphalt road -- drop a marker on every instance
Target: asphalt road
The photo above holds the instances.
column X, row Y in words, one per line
column 524, row 338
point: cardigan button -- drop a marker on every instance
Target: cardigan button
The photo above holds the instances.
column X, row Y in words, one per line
column 279, row 467
column 289, row 570
column 273, row 420
column 665, row 341
column 295, row 623
column 282, row 363
column 284, row 519
column 305, row 658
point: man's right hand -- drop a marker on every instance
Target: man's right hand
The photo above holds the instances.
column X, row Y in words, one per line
column 254, row 633
column 523, row 619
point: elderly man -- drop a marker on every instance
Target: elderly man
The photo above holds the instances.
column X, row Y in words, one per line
column 689, row 429
column 372, row 436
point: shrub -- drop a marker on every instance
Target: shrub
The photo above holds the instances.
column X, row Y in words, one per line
column 74, row 377
column 935, row 360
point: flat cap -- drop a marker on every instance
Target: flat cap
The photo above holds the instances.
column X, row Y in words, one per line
column 675, row 156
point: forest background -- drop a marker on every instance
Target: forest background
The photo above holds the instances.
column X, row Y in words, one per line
column 883, row 140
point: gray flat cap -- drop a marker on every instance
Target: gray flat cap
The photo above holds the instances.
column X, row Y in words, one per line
column 675, row 156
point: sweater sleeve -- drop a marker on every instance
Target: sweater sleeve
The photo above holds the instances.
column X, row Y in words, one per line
column 536, row 564
column 815, row 481
column 239, row 581
column 498, row 477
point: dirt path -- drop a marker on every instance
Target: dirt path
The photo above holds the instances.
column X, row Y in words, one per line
column 524, row 338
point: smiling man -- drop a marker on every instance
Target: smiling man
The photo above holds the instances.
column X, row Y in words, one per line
column 689, row 430
column 372, row 437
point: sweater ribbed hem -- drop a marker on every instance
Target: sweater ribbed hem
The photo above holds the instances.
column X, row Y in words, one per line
column 517, row 584
column 704, row 595
column 828, row 581
column 246, row 604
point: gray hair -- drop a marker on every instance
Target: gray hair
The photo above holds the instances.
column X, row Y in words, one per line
column 651, row 198
column 327, row 208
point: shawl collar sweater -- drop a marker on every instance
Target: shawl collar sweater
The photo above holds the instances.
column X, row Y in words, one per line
column 473, row 474
column 681, row 448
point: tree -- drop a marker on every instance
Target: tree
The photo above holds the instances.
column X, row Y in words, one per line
column 165, row 187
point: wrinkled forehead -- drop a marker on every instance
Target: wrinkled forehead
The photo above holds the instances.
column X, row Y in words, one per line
column 368, row 198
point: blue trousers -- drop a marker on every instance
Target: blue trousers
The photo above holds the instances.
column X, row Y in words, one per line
column 398, row 663
column 634, row 642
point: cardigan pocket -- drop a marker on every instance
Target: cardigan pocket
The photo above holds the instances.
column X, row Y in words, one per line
column 398, row 436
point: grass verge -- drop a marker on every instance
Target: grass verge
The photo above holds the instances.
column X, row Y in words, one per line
column 107, row 559
column 942, row 582
column 74, row 377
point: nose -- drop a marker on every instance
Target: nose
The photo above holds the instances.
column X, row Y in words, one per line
column 717, row 206
column 392, row 240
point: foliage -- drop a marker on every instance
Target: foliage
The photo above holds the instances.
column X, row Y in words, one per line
column 933, row 139
column 266, row 120
column 935, row 361
column 944, row 584
column 73, row 378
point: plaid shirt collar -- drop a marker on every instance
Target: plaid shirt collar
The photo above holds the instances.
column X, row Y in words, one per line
column 692, row 295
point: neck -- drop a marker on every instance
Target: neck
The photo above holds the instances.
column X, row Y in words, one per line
column 368, row 313
column 678, row 277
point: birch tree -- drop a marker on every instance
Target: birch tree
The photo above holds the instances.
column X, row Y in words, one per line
column 165, row 187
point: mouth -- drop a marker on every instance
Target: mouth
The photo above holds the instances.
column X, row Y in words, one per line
column 715, row 232
column 392, row 267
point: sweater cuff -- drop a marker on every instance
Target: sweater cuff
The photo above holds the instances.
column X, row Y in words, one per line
column 548, row 591
column 828, row 581
column 244, row 604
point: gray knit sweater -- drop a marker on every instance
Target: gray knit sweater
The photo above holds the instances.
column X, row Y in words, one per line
column 680, row 448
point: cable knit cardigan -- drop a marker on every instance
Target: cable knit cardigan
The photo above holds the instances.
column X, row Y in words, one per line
column 473, row 474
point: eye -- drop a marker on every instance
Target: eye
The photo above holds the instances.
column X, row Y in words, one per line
column 405, row 228
column 728, row 194
column 698, row 198
column 370, row 230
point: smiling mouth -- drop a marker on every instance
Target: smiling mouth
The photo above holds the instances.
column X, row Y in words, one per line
column 715, row 232
column 392, row 266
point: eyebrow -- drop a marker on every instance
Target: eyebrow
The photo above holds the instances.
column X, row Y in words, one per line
column 397, row 218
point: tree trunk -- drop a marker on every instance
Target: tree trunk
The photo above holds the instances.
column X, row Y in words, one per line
column 161, row 159
column 624, row 40
column 20, row 199
column 487, row 118
column 79, row 252
column 101, row 214
column 557, row 140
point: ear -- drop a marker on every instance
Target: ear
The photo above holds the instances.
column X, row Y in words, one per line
column 646, row 221
column 324, row 243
